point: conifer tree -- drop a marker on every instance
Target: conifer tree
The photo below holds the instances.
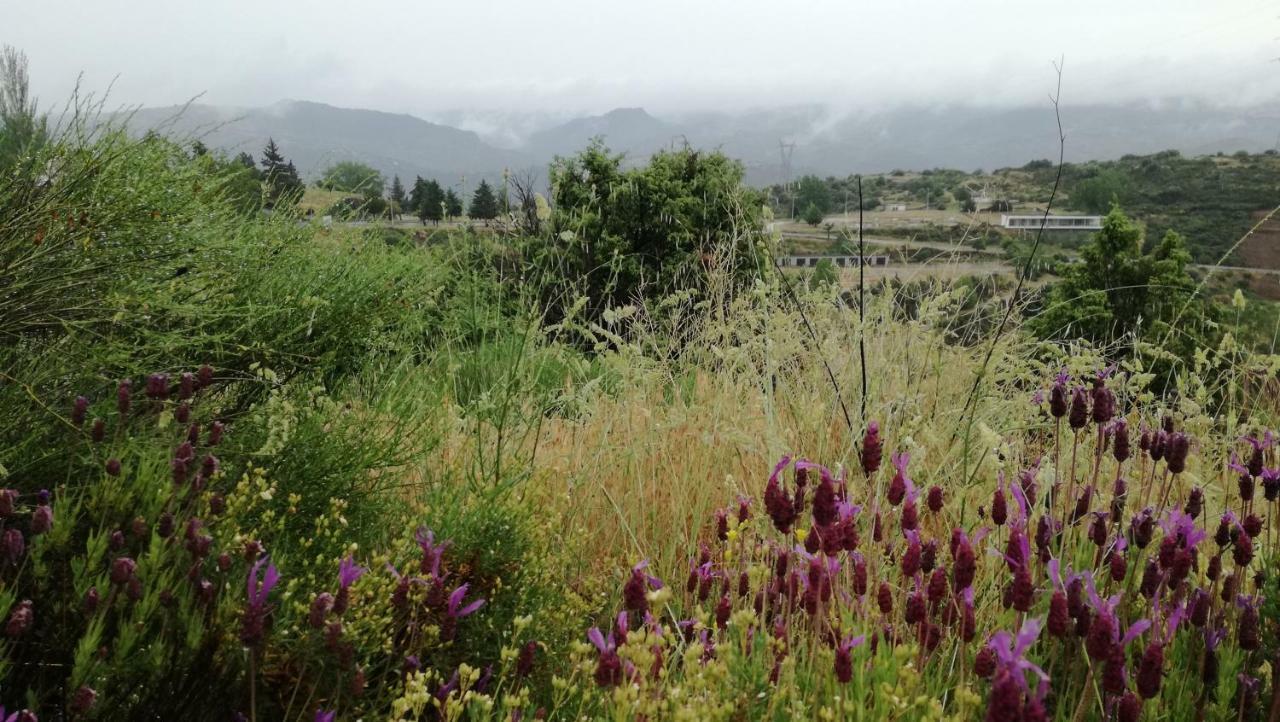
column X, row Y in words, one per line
column 395, row 197
column 484, row 205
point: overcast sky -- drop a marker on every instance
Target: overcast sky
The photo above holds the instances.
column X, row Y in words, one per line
column 666, row 55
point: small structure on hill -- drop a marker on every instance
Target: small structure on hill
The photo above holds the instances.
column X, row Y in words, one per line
column 840, row 261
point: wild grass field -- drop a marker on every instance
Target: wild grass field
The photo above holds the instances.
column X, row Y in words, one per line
column 260, row 469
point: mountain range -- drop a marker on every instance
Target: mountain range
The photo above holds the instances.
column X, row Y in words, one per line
column 822, row 140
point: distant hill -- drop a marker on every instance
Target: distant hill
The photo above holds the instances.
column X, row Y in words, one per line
column 315, row 135
column 625, row 130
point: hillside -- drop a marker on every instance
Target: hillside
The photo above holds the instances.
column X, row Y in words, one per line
column 315, row 135
column 827, row 141
column 1213, row 200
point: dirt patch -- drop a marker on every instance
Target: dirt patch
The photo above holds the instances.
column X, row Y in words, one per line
column 1262, row 248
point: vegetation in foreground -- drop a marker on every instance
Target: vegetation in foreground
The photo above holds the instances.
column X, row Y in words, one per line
column 255, row 469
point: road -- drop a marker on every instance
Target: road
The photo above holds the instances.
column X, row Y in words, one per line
column 1241, row 269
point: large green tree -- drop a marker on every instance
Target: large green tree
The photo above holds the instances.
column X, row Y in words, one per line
column 452, row 204
column 484, row 204
column 427, row 200
column 622, row 235
column 1096, row 194
column 1122, row 291
column 352, row 177
column 811, row 190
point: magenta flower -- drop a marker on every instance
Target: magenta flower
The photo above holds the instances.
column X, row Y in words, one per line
column 1104, row 631
column 157, row 386
column 20, row 619
column 454, row 610
column 1010, row 651
column 253, row 623
column 1058, row 395
column 609, row 666
column 637, row 586
column 871, row 449
column 844, row 658
column 432, row 553
column 79, row 409
column 323, row 716
column 349, row 572
column 901, row 487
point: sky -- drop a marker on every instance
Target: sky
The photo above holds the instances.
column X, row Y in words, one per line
column 572, row 56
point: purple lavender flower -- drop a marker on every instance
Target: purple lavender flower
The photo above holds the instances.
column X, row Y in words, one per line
column 13, row 545
column 432, row 553
column 1079, row 413
column 323, row 716
column 1012, row 666
column 83, row 699
column 778, row 504
column 158, row 386
column 455, row 610
column 1058, row 395
column 123, row 396
column 901, row 484
column 41, row 519
column 636, row 588
column 1247, row 626
column 186, row 385
column 1120, row 449
column 320, row 608
column 872, row 449
column 79, row 409
column 253, row 623
column 20, row 619
column 1104, row 629
column 1176, row 452
column 609, row 666
column 844, row 658
column 349, row 572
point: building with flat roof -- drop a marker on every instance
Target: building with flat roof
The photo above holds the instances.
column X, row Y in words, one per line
column 1052, row 223
column 839, row 261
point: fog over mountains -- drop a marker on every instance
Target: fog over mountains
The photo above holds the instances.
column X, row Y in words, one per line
column 827, row 142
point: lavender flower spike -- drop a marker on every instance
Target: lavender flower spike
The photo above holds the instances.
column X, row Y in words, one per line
column 257, row 593
column 455, row 609
column 349, row 572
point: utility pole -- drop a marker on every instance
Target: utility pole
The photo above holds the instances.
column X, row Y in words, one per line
column 785, row 151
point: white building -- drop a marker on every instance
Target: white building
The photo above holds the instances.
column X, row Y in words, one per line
column 839, row 261
column 1052, row 223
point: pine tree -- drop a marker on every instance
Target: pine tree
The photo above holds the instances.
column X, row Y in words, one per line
column 452, row 204
column 418, row 199
column 272, row 158
column 484, row 205
column 283, row 184
column 395, row 197
column 433, row 202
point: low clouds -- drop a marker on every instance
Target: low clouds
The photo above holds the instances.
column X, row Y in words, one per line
column 561, row 57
